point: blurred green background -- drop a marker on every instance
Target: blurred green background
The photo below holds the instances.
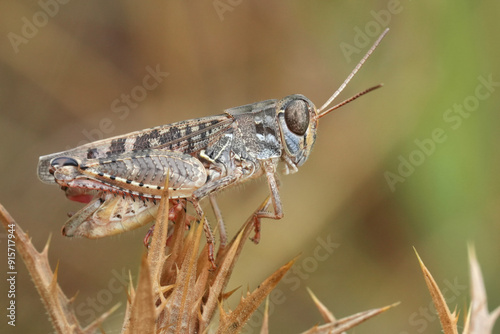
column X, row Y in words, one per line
column 60, row 77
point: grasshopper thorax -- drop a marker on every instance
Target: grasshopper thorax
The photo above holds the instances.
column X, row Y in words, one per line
column 298, row 121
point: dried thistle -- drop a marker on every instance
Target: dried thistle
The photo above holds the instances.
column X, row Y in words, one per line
column 58, row 306
column 184, row 291
column 334, row 326
column 176, row 292
column 478, row 320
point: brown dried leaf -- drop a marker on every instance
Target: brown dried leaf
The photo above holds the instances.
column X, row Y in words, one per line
column 334, row 326
column 234, row 321
column 479, row 321
column 265, row 322
column 200, row 289
column 226, row 259
column 175, row 252
column 448, row 320
column 182, row 301
column 224, row 271
column 244, row 231
column 142, row 315
column 341, row 325
column 58, row 306
column 325, row 313
column 156, row 252
column 228, row 294
column 130, row 298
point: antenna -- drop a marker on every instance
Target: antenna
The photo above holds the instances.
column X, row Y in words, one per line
column 349, row 77
column 349, row 100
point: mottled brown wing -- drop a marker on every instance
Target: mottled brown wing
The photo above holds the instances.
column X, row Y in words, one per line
column 186, row 136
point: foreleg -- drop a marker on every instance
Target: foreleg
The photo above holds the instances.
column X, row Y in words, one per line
column 274, row 198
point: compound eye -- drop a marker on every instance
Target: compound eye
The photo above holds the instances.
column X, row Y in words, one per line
column 61, row 162
column 297, row 117
column 64, row 161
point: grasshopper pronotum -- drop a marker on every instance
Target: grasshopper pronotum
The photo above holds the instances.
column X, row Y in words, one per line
column 121, row 178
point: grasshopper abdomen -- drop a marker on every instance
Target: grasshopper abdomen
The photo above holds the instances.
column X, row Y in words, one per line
column 142, row 174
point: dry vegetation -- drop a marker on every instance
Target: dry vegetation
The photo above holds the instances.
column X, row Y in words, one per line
column 177, row 292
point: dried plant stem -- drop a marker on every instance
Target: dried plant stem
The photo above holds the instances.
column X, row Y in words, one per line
column 58, row 306
column 448, row 320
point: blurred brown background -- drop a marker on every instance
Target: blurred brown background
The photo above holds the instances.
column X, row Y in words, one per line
column 64, row 65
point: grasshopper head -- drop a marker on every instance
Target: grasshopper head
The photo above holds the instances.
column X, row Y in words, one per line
column 64, row 169
column 297, row 119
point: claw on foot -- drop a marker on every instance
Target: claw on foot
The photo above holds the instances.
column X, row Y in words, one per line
column 256, row 224
column 211, row 256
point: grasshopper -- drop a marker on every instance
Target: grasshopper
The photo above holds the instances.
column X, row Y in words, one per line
column 122, row 178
